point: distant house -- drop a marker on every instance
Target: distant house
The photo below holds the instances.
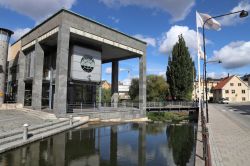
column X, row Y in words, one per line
column 106, row 85
column 232, row 88
column 211, row 83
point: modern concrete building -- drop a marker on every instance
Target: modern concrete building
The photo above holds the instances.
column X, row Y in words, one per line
column 4, row 45
column 58, row 63
column 232, row 88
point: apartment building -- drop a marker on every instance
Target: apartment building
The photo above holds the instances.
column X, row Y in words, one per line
column 232, row 88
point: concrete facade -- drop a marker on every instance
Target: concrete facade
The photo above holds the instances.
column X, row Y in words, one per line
column 60, row 32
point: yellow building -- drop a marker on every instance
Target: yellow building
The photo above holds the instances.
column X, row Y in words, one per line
column 233, row 89
column 106, row 85
column 211, row 83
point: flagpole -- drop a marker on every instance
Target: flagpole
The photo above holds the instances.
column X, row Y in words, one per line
column 199, row 72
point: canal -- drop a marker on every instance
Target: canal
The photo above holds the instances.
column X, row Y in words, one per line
column 127, row 144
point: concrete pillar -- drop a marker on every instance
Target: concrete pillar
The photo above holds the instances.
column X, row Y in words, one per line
column 60, row 100
column 38, row 77
column 114, row 83
column 115, row 77
column 142, row 84
column 4, row 46
column 21, row 83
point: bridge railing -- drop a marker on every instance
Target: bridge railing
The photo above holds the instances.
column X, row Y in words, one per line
column 205, row 140
column 171, row 104
column 83, row 106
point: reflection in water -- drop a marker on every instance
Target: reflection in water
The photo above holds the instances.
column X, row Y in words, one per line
column 118, row 145
column 181, row 141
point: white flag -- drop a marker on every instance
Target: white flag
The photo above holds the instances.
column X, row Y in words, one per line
column 210, row 24
column 200, row 53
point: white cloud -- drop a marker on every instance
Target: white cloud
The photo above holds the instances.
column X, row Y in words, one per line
column 170, row 38
column 216, row 75
column 234, row 55
column 114, row 19
column 36, row 10
column 234, row 18
column 19, row 33
column 149, row 40
column 177, row 9
column 108, row 70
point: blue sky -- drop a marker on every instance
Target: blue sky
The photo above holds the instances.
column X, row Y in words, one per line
column 158, row 22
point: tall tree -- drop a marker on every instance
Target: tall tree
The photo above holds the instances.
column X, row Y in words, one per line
column 157, row 88
column 180, row 71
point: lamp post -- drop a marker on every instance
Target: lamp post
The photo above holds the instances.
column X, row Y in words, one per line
column 243, row 13
column 212, row 61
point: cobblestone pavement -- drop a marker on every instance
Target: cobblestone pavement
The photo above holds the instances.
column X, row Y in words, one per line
column 14, row 119
column 229, row 131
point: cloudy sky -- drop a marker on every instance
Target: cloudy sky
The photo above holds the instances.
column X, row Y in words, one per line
column 157, row 22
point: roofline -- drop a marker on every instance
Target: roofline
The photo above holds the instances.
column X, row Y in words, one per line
column 71, row 12
column 10, row 32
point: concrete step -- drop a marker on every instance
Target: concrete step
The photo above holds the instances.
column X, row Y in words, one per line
column 15, row 132
column 33, row 132
column 39, row 114
column 38, row 136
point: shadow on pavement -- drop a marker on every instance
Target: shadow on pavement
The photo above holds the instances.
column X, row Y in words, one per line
column 245, row 109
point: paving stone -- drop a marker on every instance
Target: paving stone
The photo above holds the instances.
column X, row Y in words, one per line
column 229, row 139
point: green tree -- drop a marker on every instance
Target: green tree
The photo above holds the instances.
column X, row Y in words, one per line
column 180, row 72
column 106, row 95
column 157, row 88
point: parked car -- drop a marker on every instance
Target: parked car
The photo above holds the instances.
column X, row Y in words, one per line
column 223, row 101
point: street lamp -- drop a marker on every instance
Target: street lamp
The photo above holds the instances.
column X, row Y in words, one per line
column 211, row 61
column 243, row 13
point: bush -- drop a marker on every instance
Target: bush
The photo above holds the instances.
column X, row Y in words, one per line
column 168, row 116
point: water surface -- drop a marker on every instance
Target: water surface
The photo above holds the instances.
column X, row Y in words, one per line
column 113, row 145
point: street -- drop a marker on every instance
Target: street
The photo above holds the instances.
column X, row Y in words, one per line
column 239, row 113
column 229, row 134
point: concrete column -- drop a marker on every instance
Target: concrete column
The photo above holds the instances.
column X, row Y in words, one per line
column 115, row 77
column 38, row 77
column 4, row 46
column 142, row 84
column 21, row 83
column 3, row 52
column 114, row 83
column 60, row 100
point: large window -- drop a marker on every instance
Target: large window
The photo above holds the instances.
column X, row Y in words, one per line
column 239, row 84
column 233, row 91
column 226, row 91
column 243, row 91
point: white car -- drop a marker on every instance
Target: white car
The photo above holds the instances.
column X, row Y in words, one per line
column 223, row 101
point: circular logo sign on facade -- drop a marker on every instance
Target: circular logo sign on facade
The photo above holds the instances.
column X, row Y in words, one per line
column 87, row 63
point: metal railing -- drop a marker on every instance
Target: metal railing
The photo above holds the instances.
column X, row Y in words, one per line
column 205, row 140
column 171, row 104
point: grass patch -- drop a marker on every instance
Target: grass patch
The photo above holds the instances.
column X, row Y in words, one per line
column 168, row 116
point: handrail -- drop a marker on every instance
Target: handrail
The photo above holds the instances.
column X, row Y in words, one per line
column 205, row 140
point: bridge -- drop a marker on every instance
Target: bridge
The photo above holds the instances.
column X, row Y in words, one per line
column 171, row 106
column 150, row 106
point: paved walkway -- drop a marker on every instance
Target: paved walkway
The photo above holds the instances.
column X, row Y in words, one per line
column 14, row 119
column 229, row 139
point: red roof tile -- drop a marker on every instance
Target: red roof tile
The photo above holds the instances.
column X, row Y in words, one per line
column 223, row 82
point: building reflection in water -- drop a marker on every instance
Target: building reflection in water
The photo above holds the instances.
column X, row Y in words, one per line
column 125, row 144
